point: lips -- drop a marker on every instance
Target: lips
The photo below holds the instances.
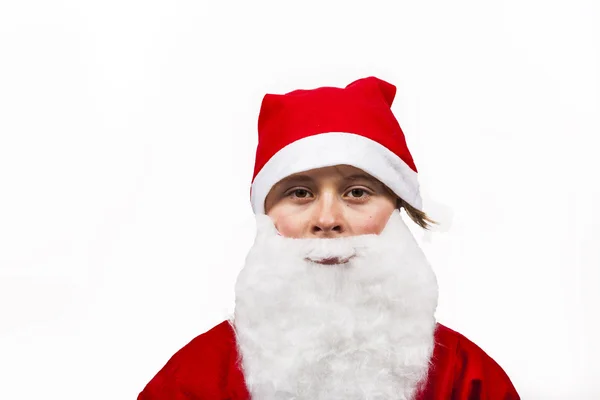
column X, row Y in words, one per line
column 331, row 260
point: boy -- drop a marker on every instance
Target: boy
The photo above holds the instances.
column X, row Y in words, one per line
column 336, row 299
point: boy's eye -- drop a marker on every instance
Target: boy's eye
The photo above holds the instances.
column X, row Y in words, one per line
column 300, row 193
column 357, row 192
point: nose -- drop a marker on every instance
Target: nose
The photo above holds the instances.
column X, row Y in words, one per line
column 328, row 218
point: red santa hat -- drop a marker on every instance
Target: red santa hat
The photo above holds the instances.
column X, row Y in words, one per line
column 307, row 129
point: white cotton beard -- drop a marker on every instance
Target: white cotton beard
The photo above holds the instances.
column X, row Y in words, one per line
column 360, row 330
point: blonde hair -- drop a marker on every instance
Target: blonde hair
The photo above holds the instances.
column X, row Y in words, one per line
column 419, row 217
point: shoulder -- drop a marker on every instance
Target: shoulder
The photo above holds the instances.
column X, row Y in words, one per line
column 208, row 355
column 467, row 353
column 462, row 368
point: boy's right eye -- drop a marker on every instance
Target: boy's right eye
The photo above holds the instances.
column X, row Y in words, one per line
column 299, row 193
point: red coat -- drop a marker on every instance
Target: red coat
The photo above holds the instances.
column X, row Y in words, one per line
column 205, row 369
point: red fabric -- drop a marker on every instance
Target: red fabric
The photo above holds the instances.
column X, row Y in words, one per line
column 206, row 369
column 362, row 107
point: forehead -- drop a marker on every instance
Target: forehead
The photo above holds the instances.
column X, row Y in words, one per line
column 345, row 172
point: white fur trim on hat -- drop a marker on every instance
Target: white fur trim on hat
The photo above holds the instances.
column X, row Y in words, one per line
column 335, row 148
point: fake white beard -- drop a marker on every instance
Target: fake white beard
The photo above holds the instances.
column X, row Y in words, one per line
column 359, row 330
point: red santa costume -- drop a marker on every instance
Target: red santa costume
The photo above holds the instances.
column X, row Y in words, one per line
column 360, row 329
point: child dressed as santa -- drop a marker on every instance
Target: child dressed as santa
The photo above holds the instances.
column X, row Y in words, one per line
column 336, row 299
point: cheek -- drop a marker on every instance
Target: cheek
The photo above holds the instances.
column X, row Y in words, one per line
column 372, row 225
column 289, row 225
column 373, row 222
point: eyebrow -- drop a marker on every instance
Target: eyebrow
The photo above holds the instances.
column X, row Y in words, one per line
column 308, row 179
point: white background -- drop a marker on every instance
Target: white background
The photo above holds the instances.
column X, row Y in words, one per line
column 127, row 140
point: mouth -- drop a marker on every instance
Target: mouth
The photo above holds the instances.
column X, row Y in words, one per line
column 331, row 260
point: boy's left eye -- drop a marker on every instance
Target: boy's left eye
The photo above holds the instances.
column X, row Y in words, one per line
column 357, row 192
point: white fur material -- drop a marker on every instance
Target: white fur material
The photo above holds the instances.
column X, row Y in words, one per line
column 354, row 331
column 336, row 148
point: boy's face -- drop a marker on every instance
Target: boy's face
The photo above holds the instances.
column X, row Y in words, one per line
column 329, row 202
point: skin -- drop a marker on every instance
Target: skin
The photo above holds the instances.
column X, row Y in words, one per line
column 329, row 202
